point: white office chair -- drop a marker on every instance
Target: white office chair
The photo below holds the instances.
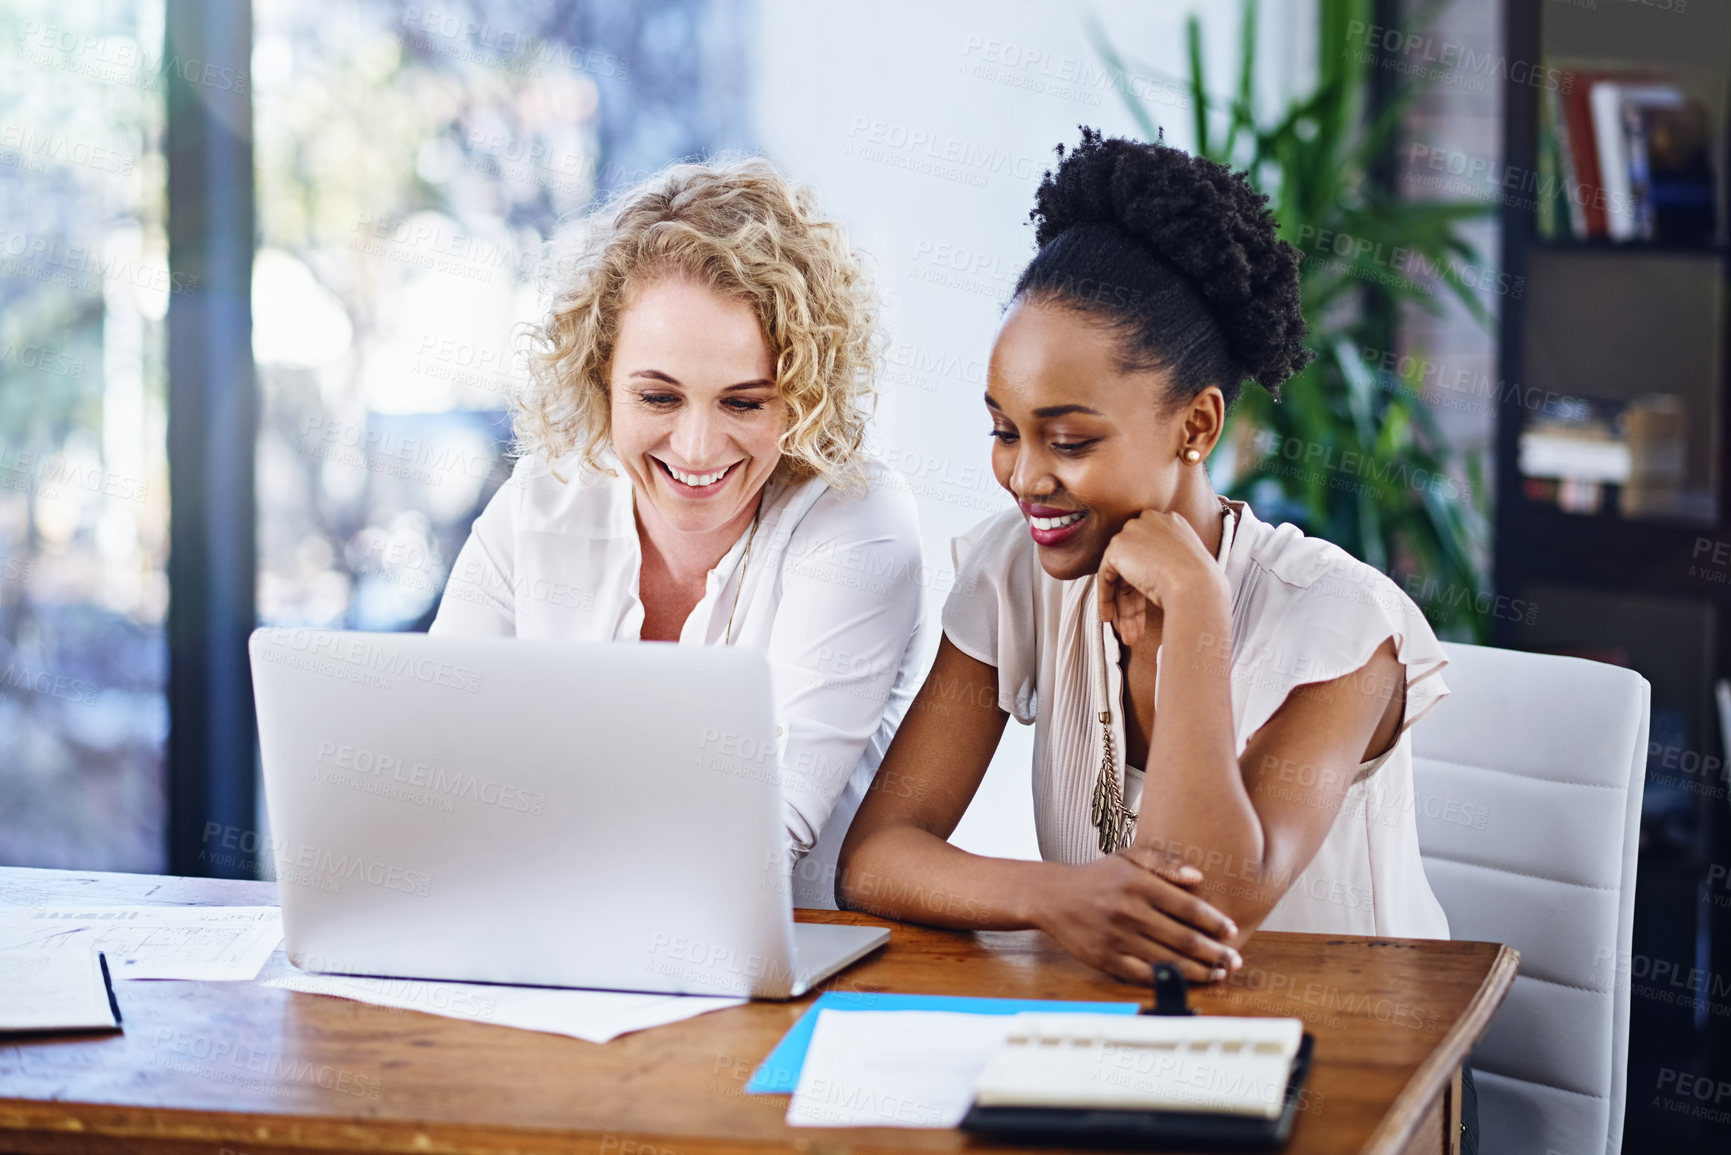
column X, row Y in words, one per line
column 1528, row 781
column 1722, row 695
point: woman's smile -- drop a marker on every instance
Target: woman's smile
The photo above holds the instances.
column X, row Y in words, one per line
column 1052, row 525
column 686, row 483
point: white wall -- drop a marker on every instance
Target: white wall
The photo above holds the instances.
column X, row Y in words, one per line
column 925, row 127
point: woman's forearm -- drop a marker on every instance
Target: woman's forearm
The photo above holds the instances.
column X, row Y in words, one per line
column 1204, row 812
column 906, row 873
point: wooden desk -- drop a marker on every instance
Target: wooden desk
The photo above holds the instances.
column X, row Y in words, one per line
column 1393, row 1019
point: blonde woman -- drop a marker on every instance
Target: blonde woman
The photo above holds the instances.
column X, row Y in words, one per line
column 692, row 472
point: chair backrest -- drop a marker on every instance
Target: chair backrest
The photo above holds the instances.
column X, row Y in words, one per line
column 1528, row 781
column 1722, row 695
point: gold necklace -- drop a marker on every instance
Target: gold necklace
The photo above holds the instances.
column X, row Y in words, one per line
column 756, row 514
column 1115, row 821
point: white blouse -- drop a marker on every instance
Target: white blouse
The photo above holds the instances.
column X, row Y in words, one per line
column 831, row 592
column 1303, row 610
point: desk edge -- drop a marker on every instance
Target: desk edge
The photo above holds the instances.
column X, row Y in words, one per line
column 1412, row 1105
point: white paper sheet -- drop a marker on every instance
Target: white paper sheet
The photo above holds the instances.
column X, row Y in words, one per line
column 893, row 1068
column 212, row 943
column 594, row 1016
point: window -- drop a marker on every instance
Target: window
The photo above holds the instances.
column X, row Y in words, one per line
column 84, row 288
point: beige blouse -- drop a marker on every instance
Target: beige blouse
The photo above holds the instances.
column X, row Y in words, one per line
column 1303, row 610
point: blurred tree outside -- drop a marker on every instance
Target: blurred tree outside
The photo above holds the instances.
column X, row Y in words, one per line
column 84, row 288
column 413, row 162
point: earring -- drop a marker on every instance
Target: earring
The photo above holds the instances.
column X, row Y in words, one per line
column 1192, row 456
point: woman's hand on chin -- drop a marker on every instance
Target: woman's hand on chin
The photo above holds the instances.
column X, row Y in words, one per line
column 1156, row 559
column 1129, row 910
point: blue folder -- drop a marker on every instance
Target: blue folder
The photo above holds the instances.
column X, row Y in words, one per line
column 778, row 1074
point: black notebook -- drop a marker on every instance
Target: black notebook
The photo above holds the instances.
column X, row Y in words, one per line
column 1211, row 1082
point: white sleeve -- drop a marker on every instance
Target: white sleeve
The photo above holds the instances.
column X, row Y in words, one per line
column 1330, row 629
column 480, row 595
column 850, row 602
column 991, row 613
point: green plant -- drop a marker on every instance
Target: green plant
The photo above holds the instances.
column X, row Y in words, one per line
column 1353, row 453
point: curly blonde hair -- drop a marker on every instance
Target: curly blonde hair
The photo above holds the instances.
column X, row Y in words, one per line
column 740, row 228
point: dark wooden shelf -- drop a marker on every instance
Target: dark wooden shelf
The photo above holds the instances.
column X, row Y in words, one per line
column 1621, row 585
column 1599, row 246
column 1608, row 552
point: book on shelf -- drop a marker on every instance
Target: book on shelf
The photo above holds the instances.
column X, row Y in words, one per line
column 1619, row 156
column 1627, row 455
column 1562, row 213
column 1640, row 224
column 1680, row 187
column 1545, row 214
column 1630, row 154
column 1584, row 182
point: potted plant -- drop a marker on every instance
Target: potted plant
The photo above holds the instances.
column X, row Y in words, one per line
column 1352, row 453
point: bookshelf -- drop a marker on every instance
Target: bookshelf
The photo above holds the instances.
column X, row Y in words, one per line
column 1612, row 504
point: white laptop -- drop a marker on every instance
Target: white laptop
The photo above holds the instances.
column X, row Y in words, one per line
column 567, row 814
